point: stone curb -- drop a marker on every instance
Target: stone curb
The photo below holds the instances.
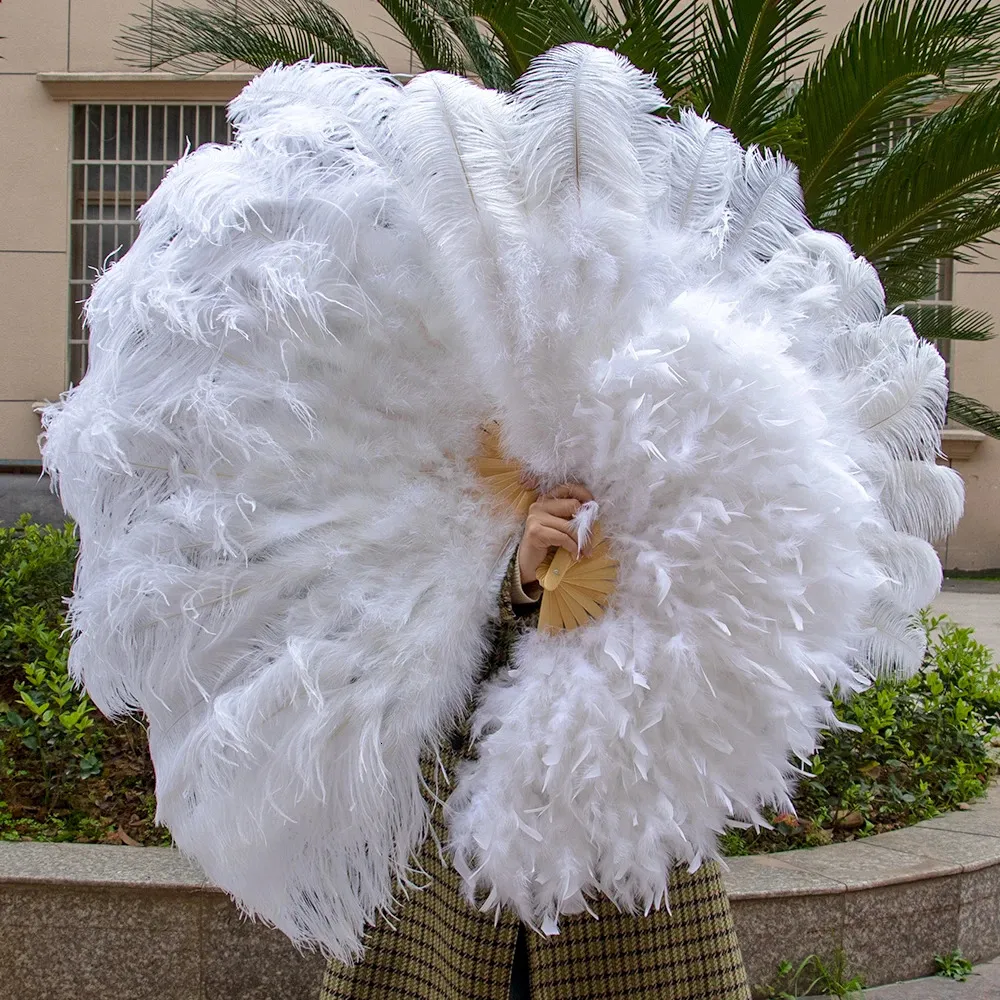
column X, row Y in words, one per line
column 970, row 585
column 891, row 902
column 140, row 923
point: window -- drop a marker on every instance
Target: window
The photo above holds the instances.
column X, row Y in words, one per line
column 944, row 291
column 120, row 154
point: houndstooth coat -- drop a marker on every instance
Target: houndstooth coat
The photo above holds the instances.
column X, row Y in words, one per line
column 438, row 947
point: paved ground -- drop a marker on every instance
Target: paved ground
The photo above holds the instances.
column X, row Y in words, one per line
column 982, row 984
column 27, row 493
column 981, row 611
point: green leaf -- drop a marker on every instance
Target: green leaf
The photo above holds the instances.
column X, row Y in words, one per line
column 196, row 40
column 523, row 29
column 32, row 704
column 751, row 51
column 918, row 205
column 660, row 37
column 946, row 321
column 90, row 765
column 891, row 60
column 974, row 414
column 427, row 34
column 483, row 54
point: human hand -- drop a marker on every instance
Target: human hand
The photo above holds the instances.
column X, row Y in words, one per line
column 547, row 526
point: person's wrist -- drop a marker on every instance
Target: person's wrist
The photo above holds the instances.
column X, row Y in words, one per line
column 525, row 575
column 527, row 581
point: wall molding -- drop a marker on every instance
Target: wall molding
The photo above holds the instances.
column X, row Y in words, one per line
column 144, row 88
column 960, row 443
column 154, row 87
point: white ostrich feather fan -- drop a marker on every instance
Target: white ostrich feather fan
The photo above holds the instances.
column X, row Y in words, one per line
column 287, row 559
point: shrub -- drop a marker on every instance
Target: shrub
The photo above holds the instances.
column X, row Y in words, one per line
column 55, row 718
column 37, row 566
column 66, row 772
column 925, row 745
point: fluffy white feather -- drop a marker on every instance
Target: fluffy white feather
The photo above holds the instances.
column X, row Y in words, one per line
column 287, row 565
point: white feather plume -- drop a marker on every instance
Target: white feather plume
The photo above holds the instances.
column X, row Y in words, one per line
column 583, row 110
column 287, row 564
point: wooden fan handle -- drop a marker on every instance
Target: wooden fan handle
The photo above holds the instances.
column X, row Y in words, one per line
column 553, row 576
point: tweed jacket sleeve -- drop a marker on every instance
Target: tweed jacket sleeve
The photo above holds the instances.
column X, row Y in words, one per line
column 511, row 620
column 518, row 595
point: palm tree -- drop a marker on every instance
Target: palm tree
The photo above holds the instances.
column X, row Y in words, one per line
column 895, row 126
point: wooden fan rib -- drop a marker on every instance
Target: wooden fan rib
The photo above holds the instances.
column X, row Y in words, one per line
column 579, row 592
column 577, row 599
column 600, row 596
column 595, row 573
column 570, row 612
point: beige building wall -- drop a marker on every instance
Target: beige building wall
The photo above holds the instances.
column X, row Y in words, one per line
column 974, row 371
column 60, row 52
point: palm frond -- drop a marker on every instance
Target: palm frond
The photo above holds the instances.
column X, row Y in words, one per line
column 934, row 194
column 522, row 29
column 905, row 281
column 750, row 52
column 658, row 36
column 945, row 321
column 427, row 34
column 484, row 56
column 973, row 414
column 786, row 135
column 196, row 40
column 892, row 59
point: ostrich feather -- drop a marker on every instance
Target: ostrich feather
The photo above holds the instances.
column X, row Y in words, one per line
column 922, row 499
column 766, row 208
column 704, row 163
column 454, row 136
column 902, row 394
column 287, row 561
column 582, row 110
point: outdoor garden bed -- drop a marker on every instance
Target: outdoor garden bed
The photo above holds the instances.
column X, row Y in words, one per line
column 884, row 859
column 923, row 746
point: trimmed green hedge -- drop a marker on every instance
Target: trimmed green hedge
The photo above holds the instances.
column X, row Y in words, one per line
column 66, row 772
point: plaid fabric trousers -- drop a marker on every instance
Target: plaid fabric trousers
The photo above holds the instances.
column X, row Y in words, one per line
column 439, row 948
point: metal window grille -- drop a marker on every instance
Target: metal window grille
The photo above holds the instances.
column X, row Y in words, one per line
column 120, row 154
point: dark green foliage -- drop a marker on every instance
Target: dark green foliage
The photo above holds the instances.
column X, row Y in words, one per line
column 924, row 748
column 891, row 60
column 913, row 206
column 943, row 321
column 750, row 49
column 36, row 567
column 198, row 39
column 66, row 772
column 974, row 414
column 50, row 716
